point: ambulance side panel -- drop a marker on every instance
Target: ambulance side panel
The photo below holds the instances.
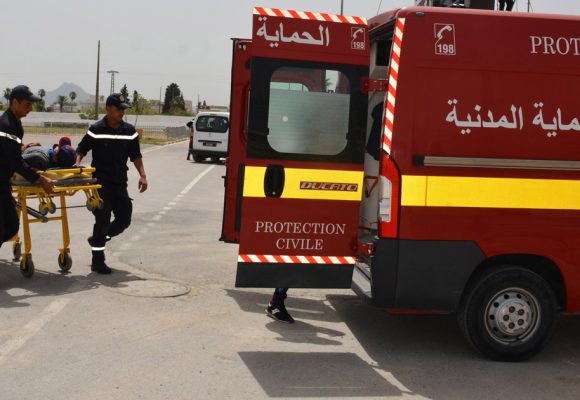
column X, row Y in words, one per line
column 487, row 141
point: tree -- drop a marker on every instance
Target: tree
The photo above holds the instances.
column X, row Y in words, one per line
column 72, row 95
column 173, row 99
column 61, row 101
column 137, row 102
column 40, row 105
column 7, row 92
column 125, row 93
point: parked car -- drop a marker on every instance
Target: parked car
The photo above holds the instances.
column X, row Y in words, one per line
column 210, row 135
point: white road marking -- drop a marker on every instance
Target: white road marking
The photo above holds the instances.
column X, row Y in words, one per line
column 196, row 179
column 31, row 329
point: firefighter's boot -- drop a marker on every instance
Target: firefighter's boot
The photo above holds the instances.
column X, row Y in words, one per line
column 98, row 265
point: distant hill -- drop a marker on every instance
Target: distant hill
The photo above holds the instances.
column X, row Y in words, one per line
column 64, row 90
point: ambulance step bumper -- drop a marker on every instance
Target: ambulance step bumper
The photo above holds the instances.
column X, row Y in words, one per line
column 361, row 281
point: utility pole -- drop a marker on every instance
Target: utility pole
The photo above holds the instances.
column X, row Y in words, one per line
column 112, row 80
column 160, row 87
column 97, row 89
column 341, row 6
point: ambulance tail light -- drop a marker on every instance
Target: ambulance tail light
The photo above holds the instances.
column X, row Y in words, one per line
column 389, row 182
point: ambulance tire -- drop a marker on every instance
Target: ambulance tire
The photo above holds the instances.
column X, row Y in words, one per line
column 508, row 314
column 198, row 158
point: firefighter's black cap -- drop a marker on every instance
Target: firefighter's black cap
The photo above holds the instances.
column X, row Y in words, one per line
column 22, row 92
column 117, row 100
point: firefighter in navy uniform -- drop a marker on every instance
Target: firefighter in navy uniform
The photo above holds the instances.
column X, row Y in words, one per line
column 112, row 141
column 11, row 132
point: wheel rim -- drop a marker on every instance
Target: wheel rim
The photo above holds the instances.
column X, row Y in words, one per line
column 512, row 315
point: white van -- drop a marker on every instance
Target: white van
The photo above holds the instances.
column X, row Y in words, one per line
column 210, row 135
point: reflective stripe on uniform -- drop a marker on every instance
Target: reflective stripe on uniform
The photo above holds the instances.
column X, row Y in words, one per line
column 119, row 137
column 97, row 248
column 11, row 137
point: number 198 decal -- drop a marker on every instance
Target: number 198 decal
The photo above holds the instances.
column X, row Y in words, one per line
column 445, row 39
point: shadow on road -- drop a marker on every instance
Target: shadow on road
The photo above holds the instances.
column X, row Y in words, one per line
column 304, row 375
column 16, row 290
column 422, row 355
column 300, row 308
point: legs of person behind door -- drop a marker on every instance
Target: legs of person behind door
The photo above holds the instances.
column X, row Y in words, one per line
column 9, row 222
column 116, row 201
column 276, row 308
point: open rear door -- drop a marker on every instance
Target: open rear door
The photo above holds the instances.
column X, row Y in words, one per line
column 302, row 177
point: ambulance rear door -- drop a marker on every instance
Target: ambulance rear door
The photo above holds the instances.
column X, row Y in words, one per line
column 303, row 172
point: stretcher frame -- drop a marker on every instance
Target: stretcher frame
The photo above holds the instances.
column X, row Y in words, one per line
column 67, row 183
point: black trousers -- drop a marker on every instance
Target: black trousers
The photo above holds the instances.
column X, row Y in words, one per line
column 190, row 150
column 117, row 202
column 9, row 222
column 504, row 3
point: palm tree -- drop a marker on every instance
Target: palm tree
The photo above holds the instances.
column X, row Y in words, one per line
column 7, row 92
column 40, row 106
column 72, row 95
column 61, row 101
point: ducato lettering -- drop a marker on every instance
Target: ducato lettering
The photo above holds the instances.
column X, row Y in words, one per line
column 331, row 186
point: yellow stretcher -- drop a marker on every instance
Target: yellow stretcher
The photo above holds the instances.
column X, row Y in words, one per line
column 67, row 183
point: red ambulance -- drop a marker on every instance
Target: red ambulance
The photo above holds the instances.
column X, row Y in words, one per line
column 428, row 158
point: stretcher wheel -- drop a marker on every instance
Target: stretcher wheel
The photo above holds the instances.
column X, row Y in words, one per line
column 27, row 266
column 17, row 251
column 43, row 209
column 52, row 208
column 64, row 262
column 90, row 205
column 100, row 204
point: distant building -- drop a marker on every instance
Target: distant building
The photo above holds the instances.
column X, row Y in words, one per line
column 188, row 105
column 156, row 105
column 90, row 103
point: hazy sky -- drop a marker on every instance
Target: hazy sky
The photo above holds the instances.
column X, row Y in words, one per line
column 151, row 43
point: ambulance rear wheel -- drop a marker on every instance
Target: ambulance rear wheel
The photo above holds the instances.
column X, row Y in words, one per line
column 27, row 267
column 508, row 314
column 64, row 262
column 198, row 158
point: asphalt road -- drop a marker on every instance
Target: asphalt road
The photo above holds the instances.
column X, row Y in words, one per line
column 168, row 323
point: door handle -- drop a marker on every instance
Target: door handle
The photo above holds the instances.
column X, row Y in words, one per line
column 274, row 180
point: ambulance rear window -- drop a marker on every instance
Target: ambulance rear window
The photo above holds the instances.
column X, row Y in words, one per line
column 308, row 111
column 302, row 110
